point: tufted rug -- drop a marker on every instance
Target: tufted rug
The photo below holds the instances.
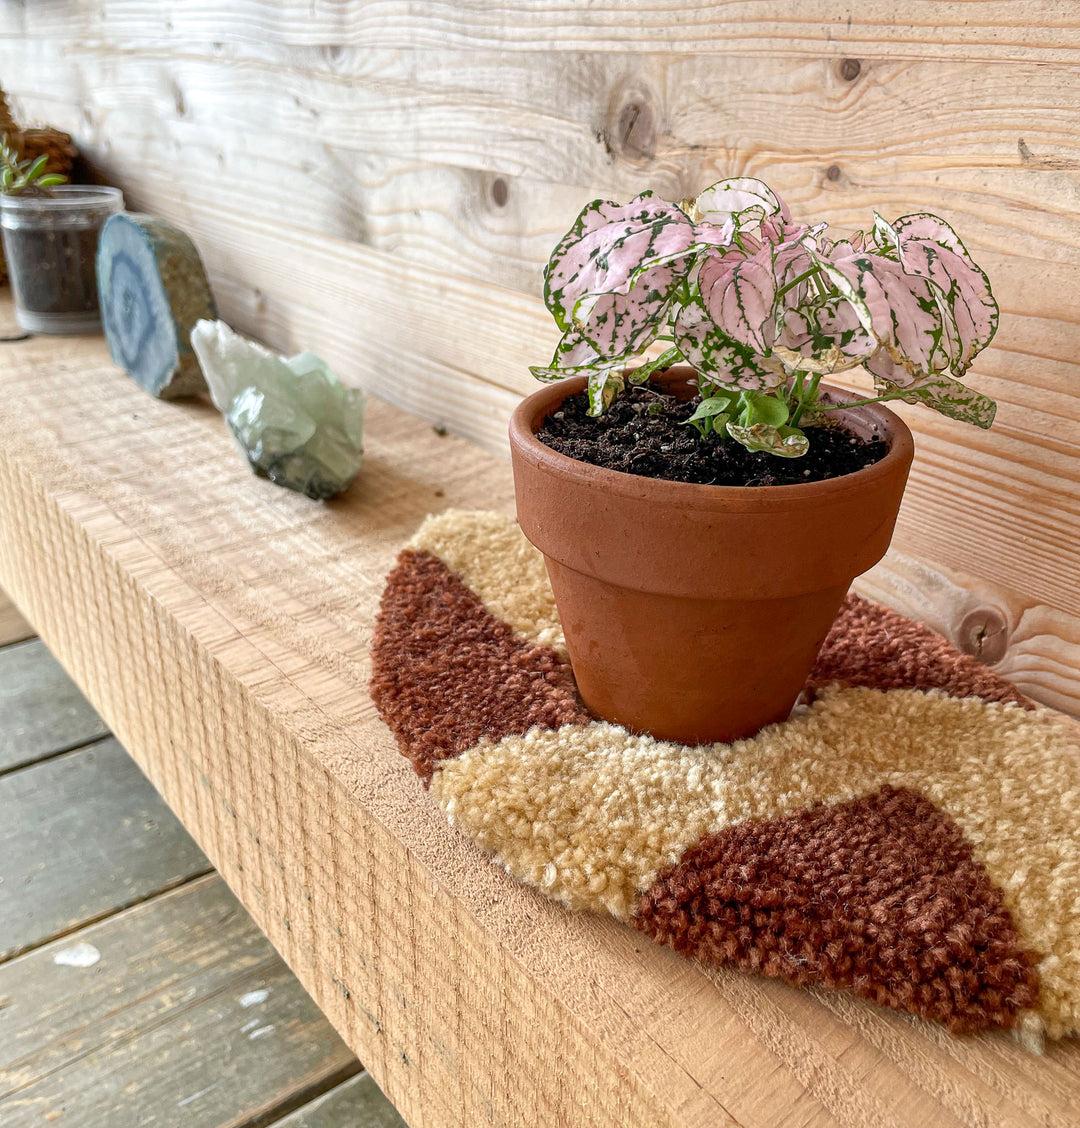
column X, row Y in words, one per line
column 909, row 834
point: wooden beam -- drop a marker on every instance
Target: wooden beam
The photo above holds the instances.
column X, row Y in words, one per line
column 1047, row 31
column 357, row 1103
column 222, row 627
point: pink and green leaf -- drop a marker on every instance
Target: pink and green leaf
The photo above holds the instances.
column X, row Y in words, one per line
column 740, row 200
column 947, row 397
column 621, row 325
column 904, row 313
column 608, row 246
column 929, row 248
column 574, row 356
column 738, row 294
column 718, row 358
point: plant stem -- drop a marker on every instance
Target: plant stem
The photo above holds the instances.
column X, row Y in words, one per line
column 795, row 281
column 807, row 397
column 861, row 403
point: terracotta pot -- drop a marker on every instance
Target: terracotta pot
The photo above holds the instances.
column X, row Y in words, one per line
column 695, row 612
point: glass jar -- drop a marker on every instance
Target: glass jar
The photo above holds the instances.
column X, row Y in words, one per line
column 50, row 244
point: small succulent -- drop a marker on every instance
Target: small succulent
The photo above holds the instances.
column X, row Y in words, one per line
column 30, row 177
column 762, row 308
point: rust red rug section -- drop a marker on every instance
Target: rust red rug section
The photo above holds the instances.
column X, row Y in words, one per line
column 448, row 673
column 880, row 895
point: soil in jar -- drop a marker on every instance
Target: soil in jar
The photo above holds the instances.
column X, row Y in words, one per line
column 53, row 270
column 645, row 432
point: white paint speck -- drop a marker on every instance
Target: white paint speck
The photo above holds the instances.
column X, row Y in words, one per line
column 196, row 1096
column 250, row 1025
column 79, row 955
column 253, row 998
column 261, row 1032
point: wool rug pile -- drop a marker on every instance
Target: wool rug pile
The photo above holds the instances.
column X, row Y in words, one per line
column 908, row 834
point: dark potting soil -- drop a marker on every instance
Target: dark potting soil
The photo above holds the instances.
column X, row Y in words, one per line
column 637, row 437
column 53, row 270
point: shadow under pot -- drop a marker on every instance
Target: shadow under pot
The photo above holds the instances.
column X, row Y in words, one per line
column 50, row 244
column 695, row 612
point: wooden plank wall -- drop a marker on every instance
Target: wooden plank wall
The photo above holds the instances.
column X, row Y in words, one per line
column 383, row 182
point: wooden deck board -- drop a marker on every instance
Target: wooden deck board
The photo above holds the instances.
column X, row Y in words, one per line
column 188, row 1017
column 83, row 835
column 29, row 676
column 358, row 1103
column 244, row 614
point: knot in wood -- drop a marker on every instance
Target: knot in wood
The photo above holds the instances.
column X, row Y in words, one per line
column 850, row 69
column 833, row 172
column 632, row 124
column 984, row 634
column 500, row 192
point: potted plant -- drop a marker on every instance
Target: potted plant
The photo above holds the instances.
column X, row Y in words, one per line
column 692, row 610
column 50, row 233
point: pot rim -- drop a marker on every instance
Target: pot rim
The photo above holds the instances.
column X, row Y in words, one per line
column 527, row 416
column 66, row 197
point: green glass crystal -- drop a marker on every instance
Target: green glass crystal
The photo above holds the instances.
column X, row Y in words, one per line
column 297, row 423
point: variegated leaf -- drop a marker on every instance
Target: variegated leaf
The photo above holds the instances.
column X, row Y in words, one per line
column 904, row 312
column 738, row 294
column 574, row 355
column 947, row 397
column 714, row 235
column 718, row 358
column 621, row 325
column 741, row 200
column 847, row 289
column 787, row 442
column 929, row 248
column 828, row 337
column 822, row 362
column 608, row 245
column 643, row 371
column 604, row 386
column 885, row 239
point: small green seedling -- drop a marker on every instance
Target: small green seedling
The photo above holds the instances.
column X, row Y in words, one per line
column 25, row 177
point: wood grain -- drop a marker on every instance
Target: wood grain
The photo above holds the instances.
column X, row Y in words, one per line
column 361, row 141
column 83, row 835
column 1045, row 30
column 30, row 676
column 13, row 627
column 245, row 612
column 188, row 1017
